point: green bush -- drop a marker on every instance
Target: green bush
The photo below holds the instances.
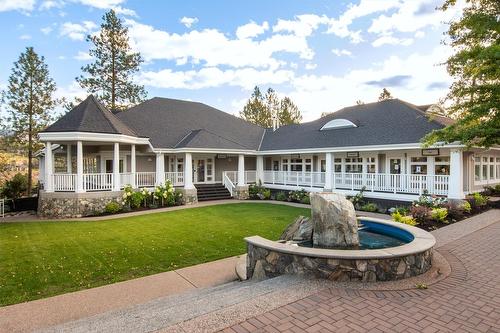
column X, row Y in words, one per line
column 479, row 200
column 306, row 200
column 406, row 219
column 359, row 199
column 439, row 214
column 258, row 192
column 466, row 207
column 112, row 207
column 281, row 196
column 15, row 187
column 297, row 196
column 136, row 200
column 369, row 207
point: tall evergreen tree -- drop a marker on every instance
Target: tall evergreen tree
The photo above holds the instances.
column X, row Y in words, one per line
column 260, row 108
column 474, row 96
column 110, row 76
column 385, row 94
column 29, row 100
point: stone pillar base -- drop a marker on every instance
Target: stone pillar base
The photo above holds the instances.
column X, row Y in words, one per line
column 68, row 205
column 189, row 196
column 241, row 192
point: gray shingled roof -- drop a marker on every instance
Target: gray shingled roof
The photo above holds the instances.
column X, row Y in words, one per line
column 171, row 123
column 388, row 122
column 90, row 116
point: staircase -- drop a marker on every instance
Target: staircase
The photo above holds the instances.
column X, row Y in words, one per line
column 212, row 192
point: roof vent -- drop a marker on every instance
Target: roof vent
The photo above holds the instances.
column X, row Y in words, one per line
column 337, row 123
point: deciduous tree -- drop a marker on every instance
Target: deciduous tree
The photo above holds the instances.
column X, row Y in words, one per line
column 385, row 94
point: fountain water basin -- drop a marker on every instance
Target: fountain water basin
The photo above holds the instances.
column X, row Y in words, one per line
column 383, row 250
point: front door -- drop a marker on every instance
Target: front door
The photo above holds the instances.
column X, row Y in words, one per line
column 203, row 170
column 395, row 165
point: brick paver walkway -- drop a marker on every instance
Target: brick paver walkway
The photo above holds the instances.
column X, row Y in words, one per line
column 467, row 301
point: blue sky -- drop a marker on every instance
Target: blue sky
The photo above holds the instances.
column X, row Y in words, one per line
column 323, row 54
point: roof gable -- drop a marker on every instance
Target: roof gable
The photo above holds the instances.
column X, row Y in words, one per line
column 90, row 116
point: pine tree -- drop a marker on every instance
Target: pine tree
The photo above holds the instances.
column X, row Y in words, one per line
column 29, row 102
column 359, row 102
column 474, row 96
column 110, row 76
column 385, row 94
column 260, row 108
column 289, row 112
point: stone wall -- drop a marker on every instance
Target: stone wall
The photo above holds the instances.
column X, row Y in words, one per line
column 68, row 205
column 241, row 192
column 263, row 263
column 189, row 196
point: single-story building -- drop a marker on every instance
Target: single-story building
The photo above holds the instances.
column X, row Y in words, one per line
column 92, row 153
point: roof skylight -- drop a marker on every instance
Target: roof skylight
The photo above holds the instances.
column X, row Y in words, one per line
column 337, row 123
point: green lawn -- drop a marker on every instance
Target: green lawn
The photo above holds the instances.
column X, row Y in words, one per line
column 41, row 259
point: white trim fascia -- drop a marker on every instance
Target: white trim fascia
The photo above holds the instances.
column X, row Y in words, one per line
column 92, row 137
column 353, row 148
column 204, row 150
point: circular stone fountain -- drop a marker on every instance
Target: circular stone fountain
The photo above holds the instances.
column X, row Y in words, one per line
column 335, row 245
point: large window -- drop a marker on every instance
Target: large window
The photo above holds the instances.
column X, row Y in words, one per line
column 296, row 164
column 337, row 165
column 371, row 164
column 418, row 165
column 354, row 165
column 486, row 168
column 442, row 165
column 477, row 168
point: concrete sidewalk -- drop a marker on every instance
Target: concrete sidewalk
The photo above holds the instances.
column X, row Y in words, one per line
column 39, row 314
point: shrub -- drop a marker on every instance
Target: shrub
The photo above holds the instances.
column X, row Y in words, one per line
column 439, row 214
column 306, row 200
column 359, row 199
column 16, row 186
column 257, row 191
column 297, row 196
column 178, row 198
column 421, row 214
column 406, row 219
column 430, row 201
column 466, row 207
column 369, row 207
column 479, row 200
column 112, row 207
column 135, row 200
column 164, row 194
column 281, row 196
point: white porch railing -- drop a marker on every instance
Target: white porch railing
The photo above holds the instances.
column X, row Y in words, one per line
column 177, row 178
column 227, row 182
column 295, row 178
column 375, row 182
column 232, row 175
column 250, row 177
column 125, row 179
column 64, row 182
column 145, row 179
column 97, row 181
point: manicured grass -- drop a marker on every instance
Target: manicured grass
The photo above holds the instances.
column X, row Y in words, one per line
column 41, row 259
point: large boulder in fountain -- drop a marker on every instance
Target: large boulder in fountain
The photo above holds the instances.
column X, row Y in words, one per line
column 334, row 221
column 299, row 230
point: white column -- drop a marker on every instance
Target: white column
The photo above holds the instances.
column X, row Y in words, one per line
column 328, row 172
column 456, row 180
column 79, row 167
column 160, row 168
column 259, row 170
column 132, row 166
column 68, row 159
column 188, row 172
column 48, row 167
column 116, row 167
column 241, row 170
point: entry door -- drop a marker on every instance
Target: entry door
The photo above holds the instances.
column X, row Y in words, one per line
column 203, row 170
column 395, row 169
column 109, row 166
column 200, row 171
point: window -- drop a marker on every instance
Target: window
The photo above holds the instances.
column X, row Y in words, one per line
column 498, row 168
column 484, row 165
column 477, row 168
column 337, row 124
column 492, row 168
column 276, row 165
column 337, row 165
column 308, row 163
column 371, row 163
column 442, row 165
column 284, row 163
column 354, row 165
column 323, row 165
column 180, row 165
column 296, row 164
column 418, row 165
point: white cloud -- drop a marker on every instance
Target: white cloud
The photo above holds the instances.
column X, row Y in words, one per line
column 46, row 30
column 311, row 66
column 339, row 52
column 82, row 56
column 77, row 31
column 25, row 37
column 109, row 4
column 251, row 30
column 390, row 40
column 419, row 34
column 414, row 15
column 315, row 94
column 20, row 5
column 303, row 25
column 210, row 77
column 49, row 4
column 211, row 47
column 189, row 21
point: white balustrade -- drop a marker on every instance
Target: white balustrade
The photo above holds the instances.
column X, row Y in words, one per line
column 97, row 181
column 125, row 179
column 250, row 176
column 64, row 182
column 177, row 178
column 228, row 182
column 145, row 179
